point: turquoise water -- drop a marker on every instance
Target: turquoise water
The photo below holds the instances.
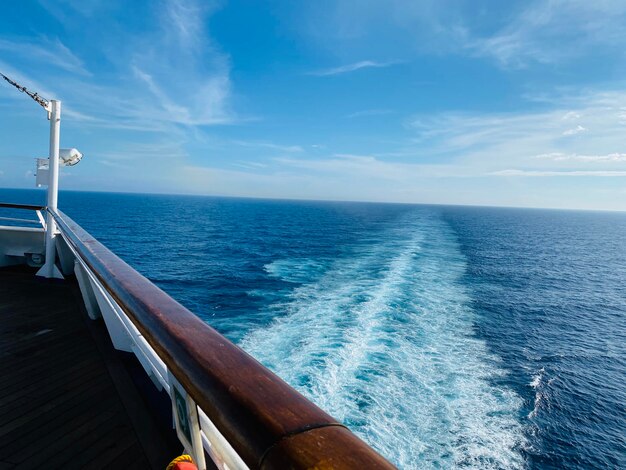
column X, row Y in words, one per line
column 446, row 337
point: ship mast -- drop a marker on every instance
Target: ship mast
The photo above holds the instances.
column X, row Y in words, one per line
column 53, row 108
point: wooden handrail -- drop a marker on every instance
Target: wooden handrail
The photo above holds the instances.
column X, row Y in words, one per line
column 267, row 422
column 22, row 206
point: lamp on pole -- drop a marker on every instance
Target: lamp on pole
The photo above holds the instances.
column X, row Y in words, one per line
column 69, row 157
column 49, row 269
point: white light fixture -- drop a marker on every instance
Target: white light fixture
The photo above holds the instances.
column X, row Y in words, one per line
column 69, row 157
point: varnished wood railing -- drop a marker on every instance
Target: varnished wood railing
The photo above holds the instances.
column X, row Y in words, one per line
column 268, row 423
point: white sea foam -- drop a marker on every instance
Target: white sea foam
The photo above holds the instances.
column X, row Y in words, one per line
column 540, row 385
column 384, row 341
column 536, row 381
column 295, row 270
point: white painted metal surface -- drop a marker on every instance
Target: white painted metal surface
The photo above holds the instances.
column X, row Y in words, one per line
column 49, row 269
column 17, row 242
column 42, row 221
column 91, row 304
column 185, row 414
column 42, row 172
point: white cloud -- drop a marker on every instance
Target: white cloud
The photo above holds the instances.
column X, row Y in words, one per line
column 44, row 50
column 185, row 73
column 250, row 165
column 145, row 153
column 113, row 164
column 369, row 112
column 576, row 130
column 169, row 75
column 510, row 150
column 512, row 34
column 363, row 168
column 554, row 31
column 183, row 20
column 495, row 140
column 466, row 147
column 364, row 64
column 85, row 8
column 571, row 115
column 331, row 178
column 269, row 145
column 24, row 80
column 561, row 157
column 537, row 173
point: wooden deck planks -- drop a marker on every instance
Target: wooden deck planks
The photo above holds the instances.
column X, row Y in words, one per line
column 65, row 398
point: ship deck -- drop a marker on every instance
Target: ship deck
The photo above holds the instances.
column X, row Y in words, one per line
column 67, row 398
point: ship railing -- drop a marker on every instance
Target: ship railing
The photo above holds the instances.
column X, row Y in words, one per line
column 21, row 239
column 17, row 220
column 225, row 404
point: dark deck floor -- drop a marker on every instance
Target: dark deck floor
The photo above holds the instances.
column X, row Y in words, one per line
column 66, row 397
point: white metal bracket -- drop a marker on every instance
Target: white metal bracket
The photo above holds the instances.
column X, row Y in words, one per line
column 187, row 423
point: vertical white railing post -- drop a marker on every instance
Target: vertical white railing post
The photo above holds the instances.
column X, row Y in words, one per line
column 49, row 269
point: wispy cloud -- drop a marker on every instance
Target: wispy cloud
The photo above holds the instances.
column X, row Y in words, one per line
column 183, row 19
column 514, row 35
column 531, row 143
column 183, row 70
column 44, row 50
column 553, row 31
column 23, row 79
column 159, row 79
column 576, row 130
column 364, row 64
column 269, row 145
column 470, row 147
column 538, row 173
column 335, row 177
column 561, row 157
column 369, row 168
column 522, row 135
column 571, row 115
column 85, row 8
column 170, row 74
column 250, row 165
column 144, row 153
column 369, row 112
column 113, row 164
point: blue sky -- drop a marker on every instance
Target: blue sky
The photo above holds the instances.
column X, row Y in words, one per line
column 461, row 102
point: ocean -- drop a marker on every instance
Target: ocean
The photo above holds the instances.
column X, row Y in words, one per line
column 446, row 337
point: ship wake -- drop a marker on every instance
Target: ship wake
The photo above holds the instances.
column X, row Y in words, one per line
column 383, row 339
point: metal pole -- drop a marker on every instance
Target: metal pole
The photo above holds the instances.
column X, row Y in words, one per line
column 49, row 269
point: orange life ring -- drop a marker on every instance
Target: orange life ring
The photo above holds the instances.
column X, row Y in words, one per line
column 183, row 462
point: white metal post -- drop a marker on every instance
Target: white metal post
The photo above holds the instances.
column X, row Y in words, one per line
column 49, row 269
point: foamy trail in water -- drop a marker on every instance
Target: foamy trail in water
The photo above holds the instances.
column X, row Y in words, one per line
column 383, row 340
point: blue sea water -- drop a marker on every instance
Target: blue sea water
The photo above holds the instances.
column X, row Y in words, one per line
column 446, row 337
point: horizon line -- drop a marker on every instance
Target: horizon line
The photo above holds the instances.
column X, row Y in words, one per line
column 353, row 201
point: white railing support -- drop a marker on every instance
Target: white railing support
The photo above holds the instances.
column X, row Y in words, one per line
column 49, row 269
